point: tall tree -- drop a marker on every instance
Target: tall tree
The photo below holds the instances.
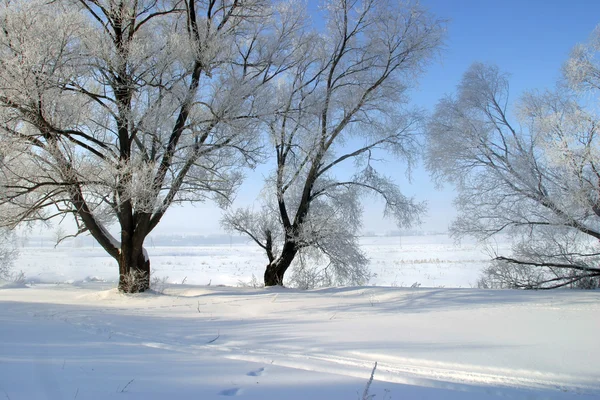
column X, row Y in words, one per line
column 533, row 174
column 341, row 106
column 114, row 110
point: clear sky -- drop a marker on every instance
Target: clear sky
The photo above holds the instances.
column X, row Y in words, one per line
column 530, row 39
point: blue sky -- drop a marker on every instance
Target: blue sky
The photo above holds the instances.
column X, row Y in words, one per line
column 530, row 39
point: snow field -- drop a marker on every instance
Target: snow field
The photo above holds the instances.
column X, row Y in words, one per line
column 431, row 261
column 87, row 341
column 70, row 335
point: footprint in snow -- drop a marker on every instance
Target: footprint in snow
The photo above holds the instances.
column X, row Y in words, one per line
column 257, row 372
column 230, row 392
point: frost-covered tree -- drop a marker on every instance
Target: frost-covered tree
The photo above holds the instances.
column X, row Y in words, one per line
column 8, row 252
column 340, row 108
column 114, row 110
column 533, row 174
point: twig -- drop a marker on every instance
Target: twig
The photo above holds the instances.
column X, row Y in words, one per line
column 215, row 339
column 126, row 386
column 76, row 393
column 366, row 395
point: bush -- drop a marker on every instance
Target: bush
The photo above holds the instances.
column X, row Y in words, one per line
column 134, row 282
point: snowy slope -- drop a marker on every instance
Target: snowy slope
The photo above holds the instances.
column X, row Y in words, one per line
column 87, row 341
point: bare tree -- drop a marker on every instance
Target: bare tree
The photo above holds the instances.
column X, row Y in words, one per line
column 533, row 174
column 341, row 107
column 114, row 110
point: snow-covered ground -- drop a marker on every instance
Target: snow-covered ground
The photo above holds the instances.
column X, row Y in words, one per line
column 84, row 340
column 89, row 342
column 431, row 261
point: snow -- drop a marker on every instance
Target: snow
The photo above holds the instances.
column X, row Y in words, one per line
column 431, row 261
column 84, row 340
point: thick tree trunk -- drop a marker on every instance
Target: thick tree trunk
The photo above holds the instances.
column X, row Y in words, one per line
column 274, row 274
column 134, row 271
column 276, row 270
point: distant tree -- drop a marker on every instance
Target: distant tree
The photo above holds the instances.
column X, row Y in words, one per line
column 341, row 107
column 533, row 174
column 114, row 110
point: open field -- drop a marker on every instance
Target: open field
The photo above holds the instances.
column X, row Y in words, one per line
column 68, row 334
column 431, row 261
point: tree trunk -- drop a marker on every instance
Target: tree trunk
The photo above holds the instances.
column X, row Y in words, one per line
column 134, row 271
column 276, row 269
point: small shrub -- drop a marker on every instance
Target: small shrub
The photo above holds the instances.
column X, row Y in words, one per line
column 158, row 284
column 134, row 282
column 252, row 283
column 18, row 278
